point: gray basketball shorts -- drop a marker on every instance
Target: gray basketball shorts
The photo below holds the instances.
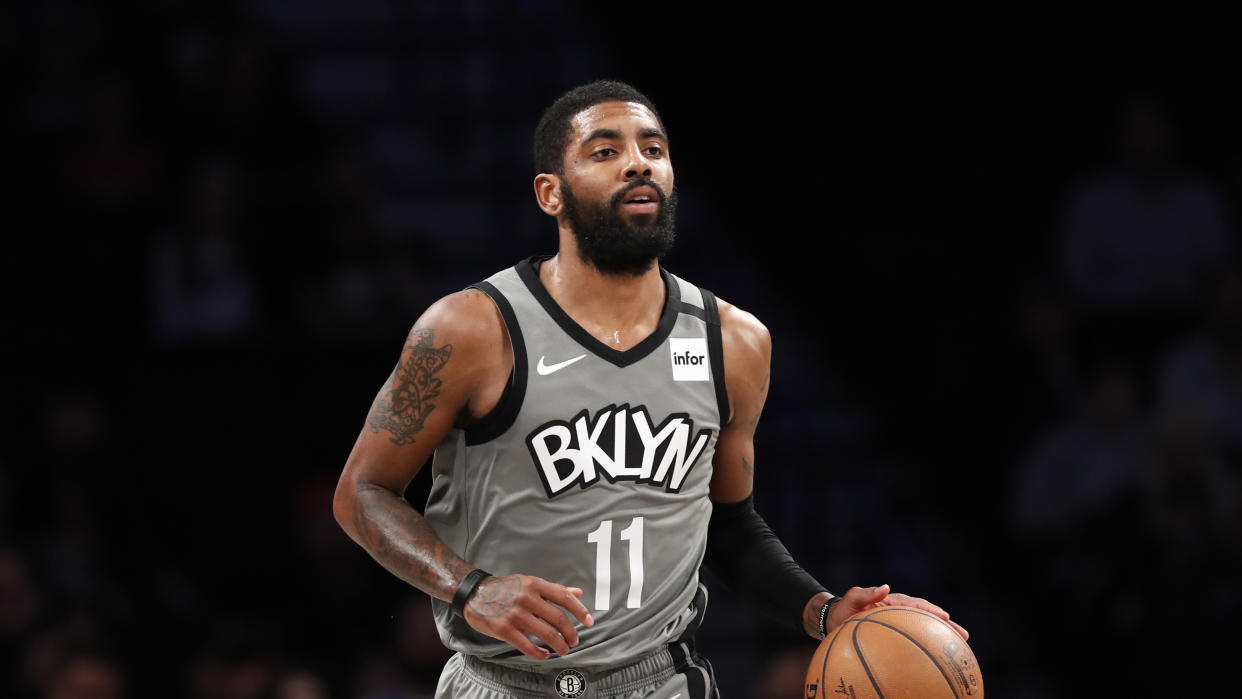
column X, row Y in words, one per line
column 673, row 672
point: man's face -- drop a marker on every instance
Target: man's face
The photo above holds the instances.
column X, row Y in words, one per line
column 617, row 188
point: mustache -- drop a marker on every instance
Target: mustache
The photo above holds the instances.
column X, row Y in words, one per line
column 617, row 198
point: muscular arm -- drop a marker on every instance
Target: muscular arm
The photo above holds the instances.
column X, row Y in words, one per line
column 383, row 522
column 429, row 391
column 747, row 358
column 452, row 370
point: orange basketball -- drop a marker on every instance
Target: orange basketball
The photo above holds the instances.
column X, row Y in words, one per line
column 889, row 652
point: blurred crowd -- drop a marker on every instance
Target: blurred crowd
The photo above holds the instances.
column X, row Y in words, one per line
column 241, row 214
column 1128, row 500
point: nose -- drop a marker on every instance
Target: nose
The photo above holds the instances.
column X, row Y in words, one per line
column 637, row 165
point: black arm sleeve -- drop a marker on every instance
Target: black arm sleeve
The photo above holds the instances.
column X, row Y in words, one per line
column 744, row 554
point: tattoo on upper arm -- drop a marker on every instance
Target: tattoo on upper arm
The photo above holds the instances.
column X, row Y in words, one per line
column 748, row 467
column 404, row 403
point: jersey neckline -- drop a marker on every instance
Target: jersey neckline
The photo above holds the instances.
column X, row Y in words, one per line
column 528, row 272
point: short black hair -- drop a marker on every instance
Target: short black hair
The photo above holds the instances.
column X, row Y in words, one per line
column 552, row 133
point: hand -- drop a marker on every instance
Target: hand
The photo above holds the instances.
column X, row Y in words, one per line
column 509, row 607
column 858, row 599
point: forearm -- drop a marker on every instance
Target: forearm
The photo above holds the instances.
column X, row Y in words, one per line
column 402, row 541
column 744, row 554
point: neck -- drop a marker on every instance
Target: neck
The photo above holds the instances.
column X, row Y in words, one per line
column 619, row 310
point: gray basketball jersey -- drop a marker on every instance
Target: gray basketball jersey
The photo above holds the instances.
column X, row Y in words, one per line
column 592, row 471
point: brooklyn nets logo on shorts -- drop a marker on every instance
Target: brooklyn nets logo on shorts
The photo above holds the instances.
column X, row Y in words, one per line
column 570, row 684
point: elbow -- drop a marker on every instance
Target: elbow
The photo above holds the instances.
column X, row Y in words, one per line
column 343, row 503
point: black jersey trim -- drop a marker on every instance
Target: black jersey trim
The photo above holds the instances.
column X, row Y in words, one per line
column 502, row 417
column 700, row 611
column 529, row 274
column 698, row 675
column 715, row 350
column 693, row 310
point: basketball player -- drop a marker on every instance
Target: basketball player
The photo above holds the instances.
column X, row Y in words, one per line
column 591, row 417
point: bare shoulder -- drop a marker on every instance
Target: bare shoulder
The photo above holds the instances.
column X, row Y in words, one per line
column 468, row 316
column 463, row 340
column 470, row 323
column 744, row 337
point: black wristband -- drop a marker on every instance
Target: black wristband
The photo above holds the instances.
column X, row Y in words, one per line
column 823, row 614
column 468, row 583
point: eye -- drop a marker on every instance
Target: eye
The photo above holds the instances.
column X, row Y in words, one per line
column 654, row 150
column 603, row 153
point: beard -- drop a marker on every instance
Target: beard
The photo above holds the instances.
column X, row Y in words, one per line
column 612, row 246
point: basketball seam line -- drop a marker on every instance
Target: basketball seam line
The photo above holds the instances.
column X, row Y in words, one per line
column 823, row 670
column 863, row 660
column 918, row 645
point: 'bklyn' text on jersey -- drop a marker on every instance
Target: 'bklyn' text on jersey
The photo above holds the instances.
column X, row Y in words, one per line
column 620, row 444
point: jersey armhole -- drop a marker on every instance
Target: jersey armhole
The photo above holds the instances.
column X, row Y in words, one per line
column 715, row 351
column 501, row 417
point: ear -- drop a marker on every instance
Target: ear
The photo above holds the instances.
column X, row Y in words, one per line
column 548, row 193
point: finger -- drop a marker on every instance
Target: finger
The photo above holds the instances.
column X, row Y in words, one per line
column 855, row 600
column 560, row 620
column 568, row 598
column 924, row 605
column 518, row 640
column 863, row 597
column 547, row 633
column 917, row 603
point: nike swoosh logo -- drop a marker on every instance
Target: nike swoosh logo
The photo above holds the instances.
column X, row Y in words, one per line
column 545, row 369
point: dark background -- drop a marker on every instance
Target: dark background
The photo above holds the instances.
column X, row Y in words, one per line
column 223, row 220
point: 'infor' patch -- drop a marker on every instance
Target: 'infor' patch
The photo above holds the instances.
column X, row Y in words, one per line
column 689, row 357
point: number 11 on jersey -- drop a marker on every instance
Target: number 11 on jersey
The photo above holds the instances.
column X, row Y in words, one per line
column 602, row 538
